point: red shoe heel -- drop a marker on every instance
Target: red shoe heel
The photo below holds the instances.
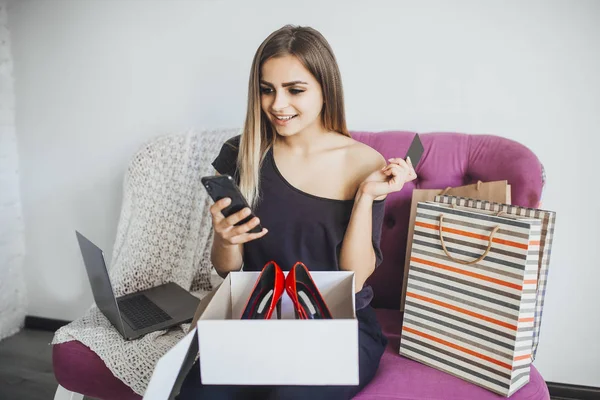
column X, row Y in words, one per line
column 308, row 302
column 266, row 293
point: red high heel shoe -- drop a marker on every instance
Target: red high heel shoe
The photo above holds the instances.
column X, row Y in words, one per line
column 308, row 302
column 266, row 293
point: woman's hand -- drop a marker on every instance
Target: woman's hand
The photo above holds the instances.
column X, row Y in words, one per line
column 389, row 179
column 225, row 230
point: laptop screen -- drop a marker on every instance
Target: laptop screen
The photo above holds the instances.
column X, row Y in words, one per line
column 93, row 258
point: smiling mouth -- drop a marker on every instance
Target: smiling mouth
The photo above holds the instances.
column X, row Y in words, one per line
column 285, row 118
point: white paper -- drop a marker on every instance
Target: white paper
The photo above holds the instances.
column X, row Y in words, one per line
column 168, row 368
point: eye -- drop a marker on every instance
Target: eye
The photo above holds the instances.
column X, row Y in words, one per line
column 265, row 90
column 296, row 91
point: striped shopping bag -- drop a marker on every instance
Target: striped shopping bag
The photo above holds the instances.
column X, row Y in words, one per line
column 547, row 219
column 470, row 301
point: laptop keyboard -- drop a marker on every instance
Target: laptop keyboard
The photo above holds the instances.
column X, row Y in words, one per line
column 142, row 312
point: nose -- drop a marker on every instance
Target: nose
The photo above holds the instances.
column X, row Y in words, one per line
column 280, row 102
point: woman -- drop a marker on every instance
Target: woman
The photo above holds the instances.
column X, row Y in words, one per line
column 319, row 192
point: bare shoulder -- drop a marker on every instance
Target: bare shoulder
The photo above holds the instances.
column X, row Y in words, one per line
column 360, row 160
column 364, row 158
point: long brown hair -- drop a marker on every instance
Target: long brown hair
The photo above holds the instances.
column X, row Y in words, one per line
column 314, row 52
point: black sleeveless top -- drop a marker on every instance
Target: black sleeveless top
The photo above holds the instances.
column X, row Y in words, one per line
column 302, row 227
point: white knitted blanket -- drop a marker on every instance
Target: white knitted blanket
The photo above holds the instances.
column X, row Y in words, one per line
column 164, row 235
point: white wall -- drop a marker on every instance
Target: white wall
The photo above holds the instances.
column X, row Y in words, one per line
column 12, row 230
column 94, row 79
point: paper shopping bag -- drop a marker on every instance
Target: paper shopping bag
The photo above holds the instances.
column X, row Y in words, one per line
column 547, row 219
column 498, row 191
column 470, row 297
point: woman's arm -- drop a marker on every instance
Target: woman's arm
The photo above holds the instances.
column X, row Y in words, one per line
column 225, row 258
column 357, row 253
column 227, row 248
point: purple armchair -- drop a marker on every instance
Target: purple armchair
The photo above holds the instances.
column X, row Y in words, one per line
column 450, row 159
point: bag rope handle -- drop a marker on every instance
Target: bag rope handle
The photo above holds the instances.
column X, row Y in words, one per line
column 484, row 255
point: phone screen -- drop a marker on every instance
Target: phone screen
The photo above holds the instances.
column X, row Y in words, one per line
column 221, row 186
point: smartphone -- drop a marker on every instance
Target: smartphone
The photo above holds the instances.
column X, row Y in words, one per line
column 221, row 186
column 415, row 151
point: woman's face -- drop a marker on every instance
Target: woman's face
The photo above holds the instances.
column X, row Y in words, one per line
column 290, row 96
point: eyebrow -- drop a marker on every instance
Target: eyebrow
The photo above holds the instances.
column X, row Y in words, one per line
column 285, row 84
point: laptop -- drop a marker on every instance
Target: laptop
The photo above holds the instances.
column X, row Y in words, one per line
column 135, row 314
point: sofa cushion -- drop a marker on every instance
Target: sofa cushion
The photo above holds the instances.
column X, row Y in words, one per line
column 401, row 378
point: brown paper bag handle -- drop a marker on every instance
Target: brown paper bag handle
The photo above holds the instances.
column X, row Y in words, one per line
column 445, row 191
column 484, row 255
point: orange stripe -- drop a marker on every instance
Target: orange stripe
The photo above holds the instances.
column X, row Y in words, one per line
column 471, row 274
column 473, row 235
column 534, row 243
column 525, row 357
column 462, row 310
column 529, row 319
column 530, row 282
column 456, row 347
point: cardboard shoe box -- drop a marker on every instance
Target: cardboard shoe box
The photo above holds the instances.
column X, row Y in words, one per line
column 279, row 351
